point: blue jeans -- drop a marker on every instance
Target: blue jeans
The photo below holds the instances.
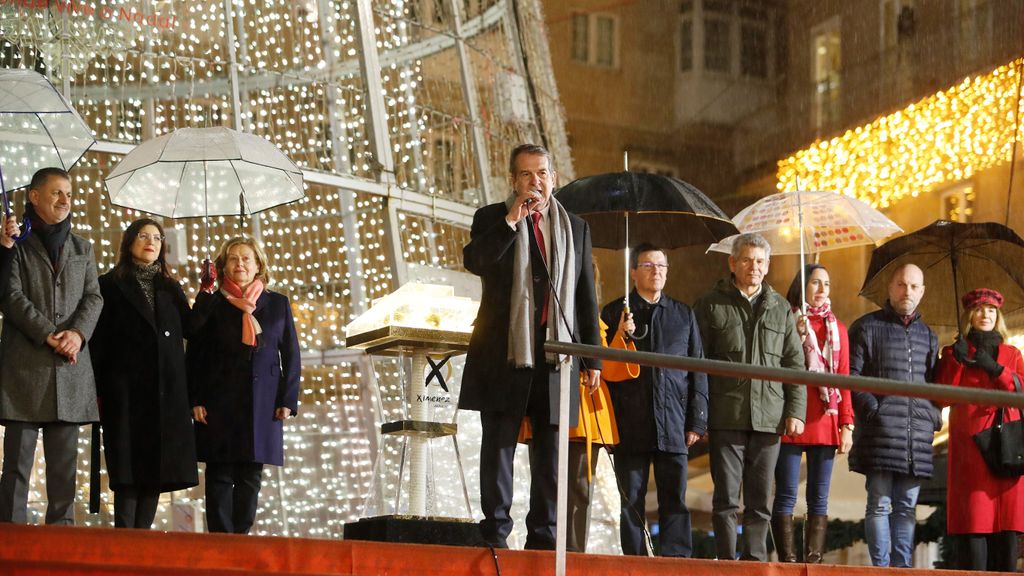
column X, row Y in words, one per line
column 787, row 478
column 890, row 518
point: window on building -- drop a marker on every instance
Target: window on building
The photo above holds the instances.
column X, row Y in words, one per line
column 732, row 37
column 595, row 39
column 898, row 25
column 605, row 47
column 754, row 21
column 686, row 44
column 825, row 62
column 754, row 50
column 580, row 37
column 957, row 204
column 717, row 43
column 974, row 30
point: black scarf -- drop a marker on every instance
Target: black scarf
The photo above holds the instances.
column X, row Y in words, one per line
column 53, row 236
column 987, row 341
column 146, row 275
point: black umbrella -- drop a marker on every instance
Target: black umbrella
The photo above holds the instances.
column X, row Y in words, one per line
column 662, row 210
column 955, row 258
column 626, row 208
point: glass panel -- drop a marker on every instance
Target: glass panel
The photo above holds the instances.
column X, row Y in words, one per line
column 605, row 41
column 754, row 51
column 958, row 205
column 718, row 6
column 580, row 37
column 826, row 77
column 716, row 45
column 686, row 45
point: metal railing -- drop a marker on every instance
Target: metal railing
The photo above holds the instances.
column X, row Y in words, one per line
column 935, row 392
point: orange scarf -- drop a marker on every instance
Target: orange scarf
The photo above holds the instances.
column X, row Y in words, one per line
column 247, row 304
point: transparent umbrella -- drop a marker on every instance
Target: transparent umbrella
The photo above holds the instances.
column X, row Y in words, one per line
column 204, row 172
column 810, row 221
column 38, row 129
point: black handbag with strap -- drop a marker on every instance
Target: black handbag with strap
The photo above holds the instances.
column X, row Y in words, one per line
column 1002, row 444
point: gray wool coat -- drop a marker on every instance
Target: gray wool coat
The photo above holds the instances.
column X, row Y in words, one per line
column 37, row 384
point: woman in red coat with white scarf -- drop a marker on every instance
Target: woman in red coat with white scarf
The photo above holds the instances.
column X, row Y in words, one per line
column 985, row 510
column 829, row 424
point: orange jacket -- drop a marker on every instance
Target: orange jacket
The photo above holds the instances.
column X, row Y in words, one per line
column 597, row 420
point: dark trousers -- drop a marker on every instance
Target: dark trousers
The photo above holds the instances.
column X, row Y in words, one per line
column 135, row 508
column 670, row 470
column 988, row 552
column 60, row 446
column 742, row 460
column 231, row 494
column 499, row 433
column 581, row 491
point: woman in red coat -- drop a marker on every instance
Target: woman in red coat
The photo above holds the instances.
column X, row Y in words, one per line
column 829, row 424
column 986, row 511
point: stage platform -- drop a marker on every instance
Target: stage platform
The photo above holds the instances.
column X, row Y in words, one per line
column 42, row 550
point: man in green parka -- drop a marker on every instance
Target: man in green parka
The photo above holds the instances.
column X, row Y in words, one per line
column 744, row 320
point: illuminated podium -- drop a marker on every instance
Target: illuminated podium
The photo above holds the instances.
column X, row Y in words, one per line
column 422, row 326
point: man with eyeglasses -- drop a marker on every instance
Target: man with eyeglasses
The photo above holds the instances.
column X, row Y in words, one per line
column 51, row 304
column 661, row 413
column 742, row 319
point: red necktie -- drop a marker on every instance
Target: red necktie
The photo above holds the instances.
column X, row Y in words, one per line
column 544, row 255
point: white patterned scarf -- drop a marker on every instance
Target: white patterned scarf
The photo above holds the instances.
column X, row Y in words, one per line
column 824, row 359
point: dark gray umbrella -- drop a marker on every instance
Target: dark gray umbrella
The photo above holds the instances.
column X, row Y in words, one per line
column 956, row 258
column 634, row 207
column 627, row 208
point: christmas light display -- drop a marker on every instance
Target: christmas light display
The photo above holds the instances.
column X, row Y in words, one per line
column 944, row 138
column 135, row 70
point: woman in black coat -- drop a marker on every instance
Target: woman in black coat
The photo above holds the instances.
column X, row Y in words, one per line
column 139, row 360
column 244, row 369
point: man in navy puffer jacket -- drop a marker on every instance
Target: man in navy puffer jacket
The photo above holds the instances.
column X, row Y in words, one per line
column 892, row 439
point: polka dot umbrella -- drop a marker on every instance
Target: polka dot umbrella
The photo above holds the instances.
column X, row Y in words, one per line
column 807, row 222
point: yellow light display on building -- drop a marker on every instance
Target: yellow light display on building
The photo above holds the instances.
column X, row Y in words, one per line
column 943, row 138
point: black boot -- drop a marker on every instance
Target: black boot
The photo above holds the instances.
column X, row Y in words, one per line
column 782, row 534
column 814, row 538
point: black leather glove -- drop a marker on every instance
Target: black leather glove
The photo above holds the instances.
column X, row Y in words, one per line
column 960, row 350
column 987, row 363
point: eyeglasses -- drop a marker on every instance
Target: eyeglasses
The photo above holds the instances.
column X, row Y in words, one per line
column 651, row 266
column 147, row 237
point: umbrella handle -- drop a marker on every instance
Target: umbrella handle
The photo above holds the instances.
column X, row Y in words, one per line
column 7, row 214
column 638, row 334
column 27, row 224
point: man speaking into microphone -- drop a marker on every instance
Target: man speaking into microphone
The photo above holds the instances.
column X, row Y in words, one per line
column 533, row 260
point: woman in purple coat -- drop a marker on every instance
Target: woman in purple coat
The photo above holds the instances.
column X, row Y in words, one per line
column 244, row 381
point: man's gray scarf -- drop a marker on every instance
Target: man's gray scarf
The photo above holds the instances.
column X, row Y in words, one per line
column 562, row 263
